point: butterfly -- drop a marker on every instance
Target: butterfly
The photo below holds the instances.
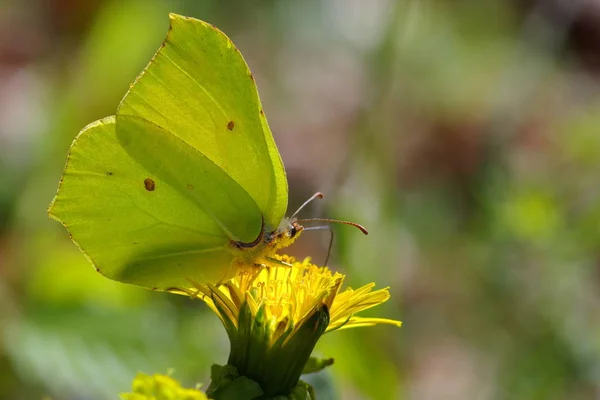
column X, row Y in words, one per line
column 185, row 183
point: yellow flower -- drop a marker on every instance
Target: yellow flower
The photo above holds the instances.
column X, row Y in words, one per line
column 291, row 295
column 274, row 317
column 160, row 387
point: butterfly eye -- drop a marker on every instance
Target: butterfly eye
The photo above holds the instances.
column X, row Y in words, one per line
column 295, row 228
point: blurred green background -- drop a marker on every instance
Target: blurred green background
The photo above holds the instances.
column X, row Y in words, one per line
column 464, row 134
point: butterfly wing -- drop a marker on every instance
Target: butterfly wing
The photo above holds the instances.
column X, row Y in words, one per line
column 199, row 88
column 146, row 208
column 154, row 195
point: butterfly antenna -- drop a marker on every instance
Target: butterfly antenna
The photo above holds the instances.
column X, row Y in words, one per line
column 354, row 224
column 317, row 195
column 323, row 228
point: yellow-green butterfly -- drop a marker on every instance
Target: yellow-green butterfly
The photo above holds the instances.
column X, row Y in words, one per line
column 185, row 182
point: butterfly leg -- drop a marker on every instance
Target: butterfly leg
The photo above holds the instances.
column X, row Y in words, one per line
column 276, row 261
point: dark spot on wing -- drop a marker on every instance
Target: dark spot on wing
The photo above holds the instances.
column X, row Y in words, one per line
column 109, row 173
column 251, row 76
column 261, row 112
column 190, row 186
column 149, row 184
column 230, row 125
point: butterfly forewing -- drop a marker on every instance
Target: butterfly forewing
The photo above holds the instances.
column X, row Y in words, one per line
column 199, row 89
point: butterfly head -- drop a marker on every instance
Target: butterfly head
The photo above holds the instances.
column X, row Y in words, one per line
column 288, row 231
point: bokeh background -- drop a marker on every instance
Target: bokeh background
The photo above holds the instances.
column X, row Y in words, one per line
column 464, row 134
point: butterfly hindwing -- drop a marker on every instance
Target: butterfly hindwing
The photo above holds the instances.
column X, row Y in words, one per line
column 132, row 219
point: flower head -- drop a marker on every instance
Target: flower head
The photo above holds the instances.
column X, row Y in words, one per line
column 160, row 387
column 290, row 295
column 274, row 317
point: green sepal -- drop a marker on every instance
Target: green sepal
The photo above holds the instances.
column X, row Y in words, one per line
column 302, row 391
column 227, row 384
column 274, row 367
column 288, row 361
column 315, row 364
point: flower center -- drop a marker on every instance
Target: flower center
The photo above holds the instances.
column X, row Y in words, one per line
column 288, row 294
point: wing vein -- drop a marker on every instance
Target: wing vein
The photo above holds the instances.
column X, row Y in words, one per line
column 180, row 253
